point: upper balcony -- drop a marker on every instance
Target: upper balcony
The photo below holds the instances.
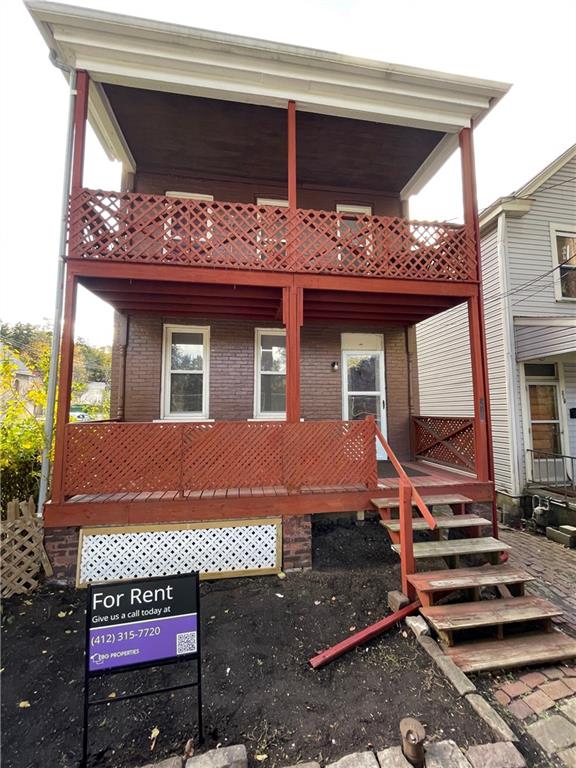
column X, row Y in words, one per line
column 245, row 154
column 157, row 229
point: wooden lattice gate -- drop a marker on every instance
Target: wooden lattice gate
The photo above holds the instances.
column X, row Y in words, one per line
column 21, row 549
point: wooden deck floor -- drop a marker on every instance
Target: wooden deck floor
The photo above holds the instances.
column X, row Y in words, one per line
column 222, row 503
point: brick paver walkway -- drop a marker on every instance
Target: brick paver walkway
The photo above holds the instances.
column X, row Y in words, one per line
column 554, row 567
column 543, row 699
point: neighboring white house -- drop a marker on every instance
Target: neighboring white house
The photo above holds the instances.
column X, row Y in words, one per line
column 528, row 243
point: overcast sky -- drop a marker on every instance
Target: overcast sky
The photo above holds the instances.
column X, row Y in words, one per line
column 524, row 43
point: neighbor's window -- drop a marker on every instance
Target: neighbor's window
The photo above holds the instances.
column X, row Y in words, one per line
column 185, row 380
column 270, row 386
column 565, row 246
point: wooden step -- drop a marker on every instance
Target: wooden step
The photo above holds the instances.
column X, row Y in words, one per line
column 446, row 521
column 515, row 651
column 456, row 547
column 468, row 578
column 457, row 616
column 429, row 500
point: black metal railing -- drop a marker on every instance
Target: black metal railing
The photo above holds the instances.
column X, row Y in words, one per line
column 556, row 471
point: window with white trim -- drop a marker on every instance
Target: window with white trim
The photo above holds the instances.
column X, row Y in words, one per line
column 270, row 385
column 564, row 251
column 185, row 372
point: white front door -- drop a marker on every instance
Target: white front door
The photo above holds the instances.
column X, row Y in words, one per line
column 364, row 389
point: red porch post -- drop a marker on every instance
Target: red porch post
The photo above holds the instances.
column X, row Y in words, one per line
column 80, row 115
column 69, row 304
column 65, row 387
column 292, row 317
column 478, row 354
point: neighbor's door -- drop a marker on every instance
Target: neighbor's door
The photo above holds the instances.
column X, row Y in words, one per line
column 545, row 431
column 364, row 389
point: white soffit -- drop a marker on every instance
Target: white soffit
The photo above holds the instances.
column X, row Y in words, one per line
column 158, row 56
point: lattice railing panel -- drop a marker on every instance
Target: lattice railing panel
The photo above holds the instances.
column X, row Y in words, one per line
column 212, row 549
column 133, row 457
column 21, row 549
column 110, row 457
column 445, row 439
column 165, row 230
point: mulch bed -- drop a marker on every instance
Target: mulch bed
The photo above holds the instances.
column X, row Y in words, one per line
column 258, row 634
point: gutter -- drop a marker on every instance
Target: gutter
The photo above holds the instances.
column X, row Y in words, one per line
column 59, row 298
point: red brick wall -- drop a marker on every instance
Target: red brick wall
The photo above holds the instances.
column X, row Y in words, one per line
column 236, row 190
column 232, row 372
column 296, row 542
column 61, row 546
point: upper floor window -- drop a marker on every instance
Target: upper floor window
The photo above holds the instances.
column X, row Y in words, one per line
column 185, row 372
column 564, row 250
column 270, row 388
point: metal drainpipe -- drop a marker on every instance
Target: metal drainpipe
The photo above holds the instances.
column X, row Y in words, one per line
column 59, row 300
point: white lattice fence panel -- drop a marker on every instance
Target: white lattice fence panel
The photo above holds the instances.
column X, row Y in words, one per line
column 213, row 549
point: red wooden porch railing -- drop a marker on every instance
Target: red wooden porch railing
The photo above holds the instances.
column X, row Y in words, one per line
column 408, row 496
column 445, row 440
column 194, row 457
column 152, row 229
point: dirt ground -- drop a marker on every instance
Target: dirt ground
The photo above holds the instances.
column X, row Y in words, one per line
column 258, row 634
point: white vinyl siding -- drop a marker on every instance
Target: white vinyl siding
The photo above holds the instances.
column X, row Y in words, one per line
column 444, row 368
column 494, row 280
column 544, row 341
column 530, row 249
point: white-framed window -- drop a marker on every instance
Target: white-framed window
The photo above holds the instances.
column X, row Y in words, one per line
column 564, row 258
column 180, row 230
column 185, row 372
column 270, row 368
column 355, row 234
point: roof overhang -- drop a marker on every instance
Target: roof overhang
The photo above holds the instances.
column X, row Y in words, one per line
column 135, row 52
column 513, row 207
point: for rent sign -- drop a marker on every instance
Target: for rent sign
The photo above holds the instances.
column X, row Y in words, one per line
column 142, row 622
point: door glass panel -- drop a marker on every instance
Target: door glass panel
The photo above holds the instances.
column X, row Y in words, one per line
column 186, row 352
column 363, row 373
column 186, row 392
column 543, row 403
column 546, row 438
column 544, row 421
column 360, row 406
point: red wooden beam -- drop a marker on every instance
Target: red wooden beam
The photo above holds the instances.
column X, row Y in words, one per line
column 322, row 297
column 80, row 115
column 171, row 309
column 206, row 275
column 140, row 287
column 192, row 301
column 479, row 356
column 292, row 316
column 362, row 637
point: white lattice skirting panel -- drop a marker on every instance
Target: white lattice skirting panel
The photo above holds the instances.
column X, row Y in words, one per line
column 216, row 550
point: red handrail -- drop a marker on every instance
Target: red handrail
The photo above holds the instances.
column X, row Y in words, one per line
column 408, row 495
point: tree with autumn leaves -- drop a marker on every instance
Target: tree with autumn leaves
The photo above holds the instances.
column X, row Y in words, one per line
column 21, row 427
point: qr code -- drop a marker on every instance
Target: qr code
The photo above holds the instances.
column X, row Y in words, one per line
column 185, row 643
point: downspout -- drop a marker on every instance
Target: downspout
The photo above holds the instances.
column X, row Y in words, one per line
column 59, row 299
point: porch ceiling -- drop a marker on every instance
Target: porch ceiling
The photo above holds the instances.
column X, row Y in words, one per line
column 215, row 138
column 263, row 303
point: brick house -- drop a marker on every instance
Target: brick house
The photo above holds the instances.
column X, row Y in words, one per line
column 267, row 281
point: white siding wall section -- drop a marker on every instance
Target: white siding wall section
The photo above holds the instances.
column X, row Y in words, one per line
column 530, row 246
column 543, row 341
column 494, row 280
column 444, row 369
